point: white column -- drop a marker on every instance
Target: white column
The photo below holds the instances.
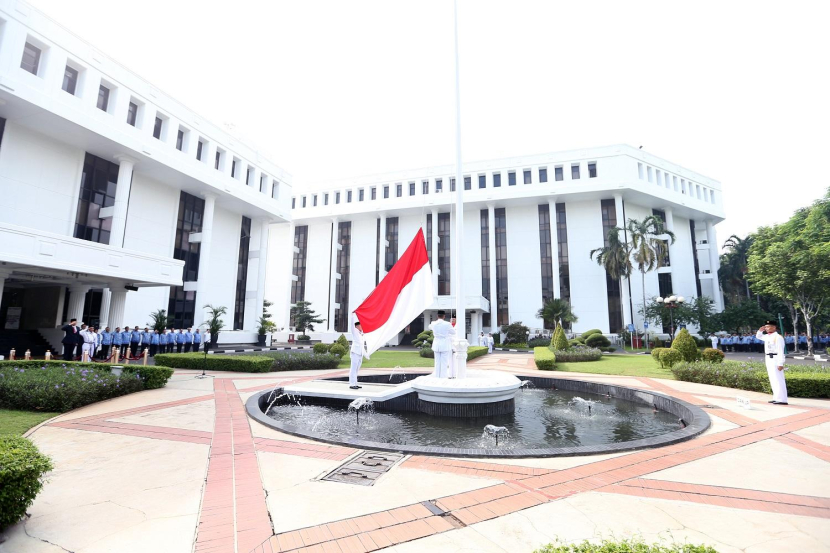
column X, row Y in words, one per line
column 265, row 226
column 104, row 314
column 382, row 260
column 332, row 274
column 290, row 277
column 624, row 295
column 714, row 264
column 554, row 247
column 491, row 247
column 122, row 198
column 434, row 254
column 204, row 260
column 118, row 302
column 77, row 298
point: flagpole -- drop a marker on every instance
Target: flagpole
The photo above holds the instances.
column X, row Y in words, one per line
column 461, row 317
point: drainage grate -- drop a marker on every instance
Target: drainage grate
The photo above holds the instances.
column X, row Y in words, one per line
column 710, row 406
column 365, row 469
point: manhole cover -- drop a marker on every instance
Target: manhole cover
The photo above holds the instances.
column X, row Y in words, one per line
column 365, row 469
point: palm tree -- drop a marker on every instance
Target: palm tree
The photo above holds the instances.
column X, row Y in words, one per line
column 734, row 262
column 614, row 257
column 647, row 250
column 557, row 310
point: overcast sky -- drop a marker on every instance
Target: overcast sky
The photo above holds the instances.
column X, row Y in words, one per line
column 737, row 91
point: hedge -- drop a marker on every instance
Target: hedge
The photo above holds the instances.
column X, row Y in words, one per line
column 802, row 381
column 536, row 342
column 472, row 352
column 22, row 468
column 633, row 545
column 713, row 355
column 545, row 358
column 577, row 354
column 587, row 333
column 152, row 376
column 321, row 348
column 215, row 362
column 338, row 350
column 597, row 341
column 303, row 361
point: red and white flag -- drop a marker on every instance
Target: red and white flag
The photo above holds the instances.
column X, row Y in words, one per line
column 402, row 295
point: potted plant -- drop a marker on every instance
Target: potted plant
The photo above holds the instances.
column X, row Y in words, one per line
column 214, row 323
column 160, row 320
column 266, row 325
column 304, row 318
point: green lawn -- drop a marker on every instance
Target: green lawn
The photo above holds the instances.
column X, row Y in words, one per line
column 391, row 359
column 18, row 422
column 623, row 364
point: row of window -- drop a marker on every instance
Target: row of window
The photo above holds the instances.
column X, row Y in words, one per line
column 666, row 180
column 400, row 190
column 33, row 62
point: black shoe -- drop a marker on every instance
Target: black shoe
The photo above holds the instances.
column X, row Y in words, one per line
column 355, row 387
column 780, row 403
column 771, row 401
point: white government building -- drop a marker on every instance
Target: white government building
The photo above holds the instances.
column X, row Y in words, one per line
column 116, row 200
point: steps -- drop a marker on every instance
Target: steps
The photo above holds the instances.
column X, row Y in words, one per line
column 20, row 341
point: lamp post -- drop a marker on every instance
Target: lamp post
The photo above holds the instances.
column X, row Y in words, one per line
column 670, row 303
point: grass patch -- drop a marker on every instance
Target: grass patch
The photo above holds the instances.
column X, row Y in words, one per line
column 15, row 423
column 391, row 359
column 621, row 364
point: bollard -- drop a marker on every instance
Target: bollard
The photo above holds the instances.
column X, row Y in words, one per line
column 146, row 353
column 28, row 355
column 115, row 355
column 48, row 355
column 127, row 356
column 11, row 355
column 84, row 357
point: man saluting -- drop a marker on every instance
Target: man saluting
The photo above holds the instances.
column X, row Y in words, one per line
column 441, row 346
column 774, row 359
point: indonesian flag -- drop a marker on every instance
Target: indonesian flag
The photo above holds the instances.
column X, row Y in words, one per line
column 402, row 295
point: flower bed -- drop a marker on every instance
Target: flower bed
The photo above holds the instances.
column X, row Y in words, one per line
column 215, row 362
column 303, row 361
column 577, row 354
column 802, row 381
column 152, row 376
column 22, row 468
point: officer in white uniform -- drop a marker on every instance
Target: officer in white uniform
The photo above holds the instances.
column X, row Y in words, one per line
column 490, row 343
column 482, row 340
column 774, row 359
column 714, row 340
column 441, row 344
column 88, row 348
column 357, row 353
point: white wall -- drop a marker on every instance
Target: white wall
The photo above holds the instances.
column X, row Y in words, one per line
column 277, row 279
column 362, row 261
column 318, row 270
column 589, row 295
column 524, row 268
column 221, row 283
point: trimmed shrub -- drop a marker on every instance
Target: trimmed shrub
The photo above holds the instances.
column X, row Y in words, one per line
column 519, row 345
column 545, row 359
column 577, row 354
column 423, row 339
column 655, row 354
column 574, row 342
column 322, row 348
column 587, row 333
column 22, row 468
column 153, row 377
column 609, row 349
column 713, row 355
column 597, row 341
column 426, row 351
column 303, row 361
column 343, row 341
column 215, row 362
column 670, row 357
column 476, row 351
column 559, row 341
column 39, row 386
column 303, row 338
column 685, row 344
column 337, row 350
column 802, row 381
column 633, row 545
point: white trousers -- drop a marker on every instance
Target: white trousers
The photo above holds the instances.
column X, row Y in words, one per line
column 452, row 372
column 87, row 350
column 357, row 360
column 442, row 361
column 776, row 380
column 489, row 348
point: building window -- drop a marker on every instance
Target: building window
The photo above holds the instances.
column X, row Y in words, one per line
column 132, row 117
column 157, row 134
column 444, row 254
column 298, row 263
column 275, row 190
column 501, row 267
column 411, row 188
column 341, row 289
column 337, row 197
column 592, row 172
column 429, row 238
column 511, row 178
column 649, row 174
column 182, row 305
column 482, row 181
column 485, row 262
column 360, row 194
column 374, row 193
column 527, row 176
column 659, row 178
column 545, row 255
column 326, row 198
column 314, row 200
column 293, row 202
column 562, row 247
column 303, row 205
column 452, row 184
column 398, row 190
column 249, row 175
column 180, row 140
column 103, row 98
column 199, row 148
column 664, row 260
column 98, row 184
column 233, row 167
column 348, row 196
column 31, row 58
column 694, row 257
column 640, row 170
column 496, row 180
column 438, row 185
column 425, row 187
column 385, row 191
column 70, row 80
column 575, row 171
column 558, row 173
column 242, row 275
column 391, row 253
column 666, row 290
column 468, row 184
column 609, row 221
column 218, row 155
column 543, row 174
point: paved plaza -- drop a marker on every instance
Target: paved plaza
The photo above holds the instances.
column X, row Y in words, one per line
column 183, row 469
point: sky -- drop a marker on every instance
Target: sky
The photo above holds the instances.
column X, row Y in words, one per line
column 737, row 91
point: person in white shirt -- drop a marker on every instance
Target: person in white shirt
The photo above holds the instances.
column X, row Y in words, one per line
column 490, row 343
column 774, row 358
column 357, row 353
column 441, row 344
column 482, row 340
column 714, row 340
column 88, row 348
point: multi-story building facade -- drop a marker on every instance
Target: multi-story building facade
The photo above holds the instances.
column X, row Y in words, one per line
column 115, row 199
column 529, row 225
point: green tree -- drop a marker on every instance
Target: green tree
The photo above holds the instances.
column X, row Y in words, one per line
column 705, row 317
column 557, row 312
column 265, row 323
column 160, row 320
column 744, row 315
column 304, row 317
column 648, row 248
column 614, row 257
column 733, row 266
column 515, row 333
column 683, row 314
column 685, row 344
column 559, row 341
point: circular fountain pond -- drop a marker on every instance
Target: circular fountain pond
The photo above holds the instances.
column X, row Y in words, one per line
column 551, row 417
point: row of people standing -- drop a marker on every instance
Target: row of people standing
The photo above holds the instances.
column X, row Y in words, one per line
column 100, row 344
column 749, row 343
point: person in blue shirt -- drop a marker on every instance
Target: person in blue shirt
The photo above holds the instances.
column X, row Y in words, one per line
column 125, row 340
column 179, row 340
column 154, row 343
column 757, row 345
column 197, row 340
column 188, row 341
column 135, row 341
column 106, row 342
column 171, row 339
column 116, row 340
column 163, row 341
